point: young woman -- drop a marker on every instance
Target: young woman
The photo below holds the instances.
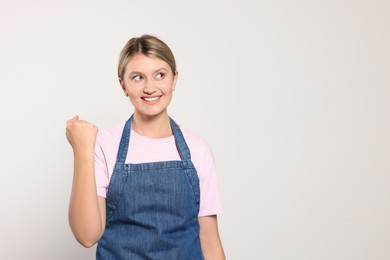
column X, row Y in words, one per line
column 146, row 188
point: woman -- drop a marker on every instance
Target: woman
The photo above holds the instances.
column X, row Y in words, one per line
column 146, row 188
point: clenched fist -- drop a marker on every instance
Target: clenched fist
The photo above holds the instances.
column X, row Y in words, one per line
column 81, row 134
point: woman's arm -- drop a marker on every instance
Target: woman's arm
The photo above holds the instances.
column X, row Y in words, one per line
column 209, row 238
column 86, row 210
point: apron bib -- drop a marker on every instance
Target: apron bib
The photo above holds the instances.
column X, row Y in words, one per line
column 152, row 208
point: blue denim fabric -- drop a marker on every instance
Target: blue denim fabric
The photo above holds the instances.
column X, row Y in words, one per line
column 152, row 208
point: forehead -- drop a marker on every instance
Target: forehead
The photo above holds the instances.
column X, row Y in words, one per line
column 143, row 63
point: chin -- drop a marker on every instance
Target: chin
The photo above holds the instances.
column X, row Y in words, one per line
column 151, row 113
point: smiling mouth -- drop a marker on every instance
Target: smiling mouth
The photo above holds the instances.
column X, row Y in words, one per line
column 150, row 99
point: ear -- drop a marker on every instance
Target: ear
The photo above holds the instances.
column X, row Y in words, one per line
column 122, row 83
column 175, row 77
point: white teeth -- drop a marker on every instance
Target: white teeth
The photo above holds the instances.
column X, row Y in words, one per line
column 151, row 99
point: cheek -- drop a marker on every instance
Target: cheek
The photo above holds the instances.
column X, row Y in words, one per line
column 168, row 87
column 133, row 94
column 133, row 89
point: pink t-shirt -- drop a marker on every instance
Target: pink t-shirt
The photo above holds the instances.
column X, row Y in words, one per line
column 143, row 150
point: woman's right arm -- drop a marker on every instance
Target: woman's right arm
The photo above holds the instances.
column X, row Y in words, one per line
column 87, row 210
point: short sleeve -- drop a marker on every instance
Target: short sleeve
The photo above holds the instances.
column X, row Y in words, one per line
column 101, row 169
column 210, row 202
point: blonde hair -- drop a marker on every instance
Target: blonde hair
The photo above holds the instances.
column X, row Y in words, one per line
column 148, row 45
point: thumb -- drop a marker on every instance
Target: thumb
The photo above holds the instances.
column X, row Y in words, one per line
column 73, row 119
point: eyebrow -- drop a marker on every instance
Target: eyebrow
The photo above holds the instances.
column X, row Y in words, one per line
column 136, row 72
column 162, row 68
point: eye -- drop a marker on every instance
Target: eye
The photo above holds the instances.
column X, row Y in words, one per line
column 137, row 77
column 160, row 75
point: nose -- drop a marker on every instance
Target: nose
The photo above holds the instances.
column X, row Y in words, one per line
column 149, row 88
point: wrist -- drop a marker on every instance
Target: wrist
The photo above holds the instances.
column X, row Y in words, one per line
column 83, row 152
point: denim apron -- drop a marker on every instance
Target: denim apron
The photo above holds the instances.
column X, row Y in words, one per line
column 152, row 208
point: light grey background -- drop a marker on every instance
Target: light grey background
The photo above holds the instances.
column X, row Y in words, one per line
column 292, row 96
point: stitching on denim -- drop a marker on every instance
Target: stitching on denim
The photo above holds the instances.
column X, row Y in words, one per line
column 115, row 205
column 196, row 199
column 158, row 169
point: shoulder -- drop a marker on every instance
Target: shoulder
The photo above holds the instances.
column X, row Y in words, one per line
column 193, row 138
column 199, row 148
column 110, row 135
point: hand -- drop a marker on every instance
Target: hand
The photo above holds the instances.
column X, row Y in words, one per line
column 81, row 134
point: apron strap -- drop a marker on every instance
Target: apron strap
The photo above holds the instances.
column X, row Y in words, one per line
column 124, row 144
column 180, row 142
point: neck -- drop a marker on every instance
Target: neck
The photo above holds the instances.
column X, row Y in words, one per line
column 152, row 126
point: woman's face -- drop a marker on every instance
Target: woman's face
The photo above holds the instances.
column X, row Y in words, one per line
column 149, row 82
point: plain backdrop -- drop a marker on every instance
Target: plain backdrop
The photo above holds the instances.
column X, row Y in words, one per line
column 292, row 96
